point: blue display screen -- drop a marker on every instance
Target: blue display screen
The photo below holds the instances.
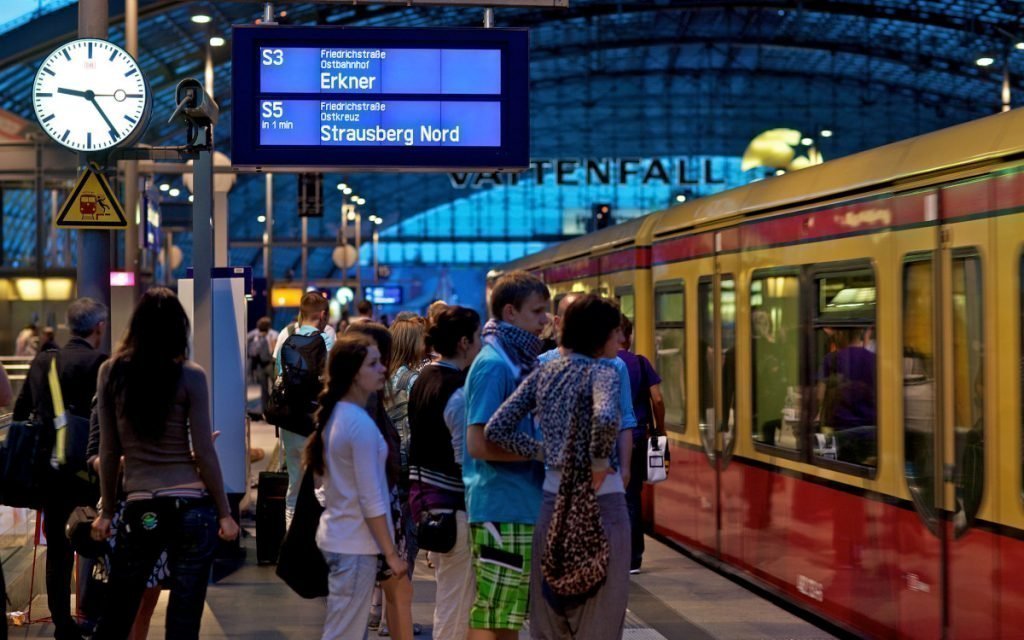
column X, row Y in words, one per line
column 383, row 295
column 427, row 99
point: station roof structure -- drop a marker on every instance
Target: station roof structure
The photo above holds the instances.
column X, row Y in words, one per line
column 643, row 78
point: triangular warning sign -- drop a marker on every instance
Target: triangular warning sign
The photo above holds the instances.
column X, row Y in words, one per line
column 92, row 205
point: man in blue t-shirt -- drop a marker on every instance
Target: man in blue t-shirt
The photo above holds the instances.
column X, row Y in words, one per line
column 503, row 490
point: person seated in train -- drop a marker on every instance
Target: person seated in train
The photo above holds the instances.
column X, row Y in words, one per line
column 846, row 394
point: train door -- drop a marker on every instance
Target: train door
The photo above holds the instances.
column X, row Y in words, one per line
column 716, row 345
column 949, row 568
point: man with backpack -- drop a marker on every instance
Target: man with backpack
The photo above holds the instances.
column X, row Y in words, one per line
column 77, row 364
column 300, row 363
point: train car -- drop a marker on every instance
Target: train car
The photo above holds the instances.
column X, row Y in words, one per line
column 841, row 357
column 613, row 262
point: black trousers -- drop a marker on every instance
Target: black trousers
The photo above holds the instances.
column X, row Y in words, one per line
column 634, row 493
column 60, row 561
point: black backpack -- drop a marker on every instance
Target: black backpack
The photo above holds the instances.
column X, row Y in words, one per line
column 294, row 397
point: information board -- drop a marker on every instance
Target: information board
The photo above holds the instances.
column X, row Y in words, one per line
column 380, row 99
column 388, row 294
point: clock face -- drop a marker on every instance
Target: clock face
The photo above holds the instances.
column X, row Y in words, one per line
column 90, row 95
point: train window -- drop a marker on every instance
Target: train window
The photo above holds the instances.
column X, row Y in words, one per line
column 919, row 386
column 670, row 352
column 845, row 425
column 775, row 353
column 968, row 389
column 627, row 302
column 706, row 365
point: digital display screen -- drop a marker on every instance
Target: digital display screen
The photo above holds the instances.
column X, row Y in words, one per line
column 425, row 99
column 383, row 295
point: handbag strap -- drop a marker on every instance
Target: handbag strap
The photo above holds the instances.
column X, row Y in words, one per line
column 575, row 473
column 60, row 420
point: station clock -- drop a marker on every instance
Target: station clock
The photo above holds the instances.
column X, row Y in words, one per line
column 90, row 95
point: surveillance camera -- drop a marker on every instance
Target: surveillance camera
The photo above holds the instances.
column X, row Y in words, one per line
column 195, row 106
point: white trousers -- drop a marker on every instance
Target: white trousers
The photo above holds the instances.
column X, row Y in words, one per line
column 456, row 585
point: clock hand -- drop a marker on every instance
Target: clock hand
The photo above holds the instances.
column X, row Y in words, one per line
column 113, row 131
column 89, row 95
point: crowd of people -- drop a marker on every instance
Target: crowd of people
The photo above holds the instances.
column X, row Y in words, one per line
column 518, row 469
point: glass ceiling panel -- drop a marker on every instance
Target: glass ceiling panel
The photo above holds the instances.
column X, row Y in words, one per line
column 14, row 13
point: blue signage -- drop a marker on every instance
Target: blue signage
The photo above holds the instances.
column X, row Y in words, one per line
column 389, row 294
column 380, row 99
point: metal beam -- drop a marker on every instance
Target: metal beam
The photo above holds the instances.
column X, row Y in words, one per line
column 548, row 4
column 42, row 34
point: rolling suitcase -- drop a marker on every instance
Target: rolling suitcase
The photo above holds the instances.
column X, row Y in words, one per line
column 270, row 494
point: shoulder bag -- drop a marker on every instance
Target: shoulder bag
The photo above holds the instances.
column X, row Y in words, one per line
column 300, row 563
column 576, row 550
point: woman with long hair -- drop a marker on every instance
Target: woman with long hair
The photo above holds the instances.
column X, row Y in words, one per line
column 348, row 452
column 397, row 592
column 407, row 357
column 154, row 410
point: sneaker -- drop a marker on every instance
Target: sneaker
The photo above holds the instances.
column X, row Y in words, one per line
column 383, row 632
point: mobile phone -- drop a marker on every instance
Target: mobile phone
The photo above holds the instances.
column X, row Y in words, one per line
column 507, row 559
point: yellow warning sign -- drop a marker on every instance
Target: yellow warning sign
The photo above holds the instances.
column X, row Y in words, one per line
column 92, row 205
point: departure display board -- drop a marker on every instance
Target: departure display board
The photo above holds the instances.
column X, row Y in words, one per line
column 380, row 99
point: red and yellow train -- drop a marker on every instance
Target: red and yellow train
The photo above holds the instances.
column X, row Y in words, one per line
column 907, row 519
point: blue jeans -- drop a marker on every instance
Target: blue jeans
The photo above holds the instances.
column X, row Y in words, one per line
column 187, row 528
column 349, row 584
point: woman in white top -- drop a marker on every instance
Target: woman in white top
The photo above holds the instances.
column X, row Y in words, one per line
column 347, row 450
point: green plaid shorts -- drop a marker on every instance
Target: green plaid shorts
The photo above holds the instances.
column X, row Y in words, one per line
column 502, row 591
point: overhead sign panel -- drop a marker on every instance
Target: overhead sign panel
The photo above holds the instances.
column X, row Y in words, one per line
column 380, row 99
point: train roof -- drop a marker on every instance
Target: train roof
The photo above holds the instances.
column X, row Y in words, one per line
column 984, row 140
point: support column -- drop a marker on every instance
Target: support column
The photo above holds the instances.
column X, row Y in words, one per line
column 221, row 255
column 131, row 167
column 268, row 242
column 202, row 261
column 94, row 246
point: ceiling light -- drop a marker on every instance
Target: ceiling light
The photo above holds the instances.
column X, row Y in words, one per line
column 217, row 41
column 175, row 192
column 806, row 141
column 362, row 201
column 191, row 198
column 164, row 187
column 680, row 198
column 985, row 61
column 826, row 133
column 201, row 18
column 261, row 219
column 342, row 186
column 1019, row 46
column 351, row 215
column 347, row 191
column 354, row 199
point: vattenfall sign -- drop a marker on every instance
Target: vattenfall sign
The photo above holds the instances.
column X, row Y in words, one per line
column 673, row 172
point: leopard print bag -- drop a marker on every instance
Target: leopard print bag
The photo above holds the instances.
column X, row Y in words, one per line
column 576, row 553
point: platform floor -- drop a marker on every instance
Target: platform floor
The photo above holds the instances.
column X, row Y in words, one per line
column 673, row 598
